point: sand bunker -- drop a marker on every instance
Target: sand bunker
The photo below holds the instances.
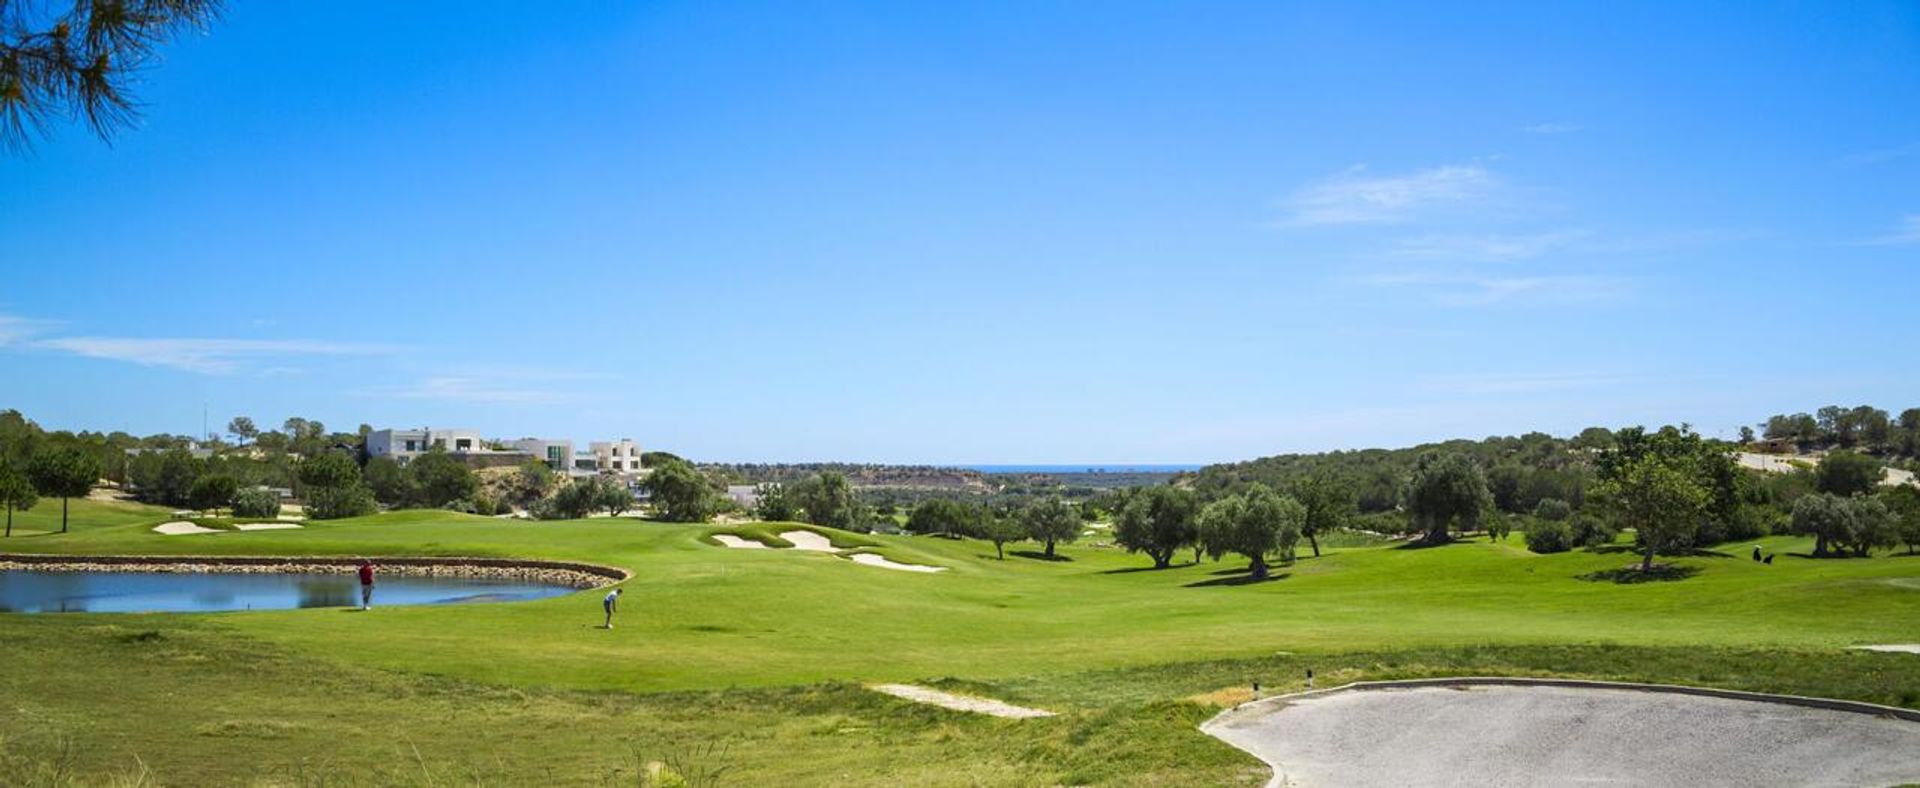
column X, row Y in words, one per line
column 736, row 542
column 810, row 541
column 1527, row 735
column 948, row 700
column 1898, row 648
column 870, row 559
column 266, row 526
column 181, row 527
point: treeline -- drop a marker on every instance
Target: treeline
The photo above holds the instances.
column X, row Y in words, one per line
column 1863, row 427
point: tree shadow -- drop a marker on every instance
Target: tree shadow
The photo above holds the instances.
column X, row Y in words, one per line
column 1038, row 555
column 1423, row 544
column 1630, row 575
column 1131, row 569
column 1239, row 578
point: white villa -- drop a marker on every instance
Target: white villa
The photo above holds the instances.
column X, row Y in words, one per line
column 618, row 458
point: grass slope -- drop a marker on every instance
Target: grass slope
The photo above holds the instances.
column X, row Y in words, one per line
column 754, row 648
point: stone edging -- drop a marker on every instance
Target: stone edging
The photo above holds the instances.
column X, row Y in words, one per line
column 568, row 573
column 1831, row 704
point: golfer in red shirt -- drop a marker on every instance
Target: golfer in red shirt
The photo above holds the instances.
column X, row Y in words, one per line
column 366, row 584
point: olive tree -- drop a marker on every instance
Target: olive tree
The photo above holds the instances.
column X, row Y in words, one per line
column 680, row 492
column 1050, row 521
column 999, row 529
column 1445, row 490
column 1845, row 473
column 1328, row 506
column 1157, row 521
column 1663, row 504
column 1252, row 524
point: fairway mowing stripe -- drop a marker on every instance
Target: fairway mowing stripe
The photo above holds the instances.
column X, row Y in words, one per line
column 947, row 700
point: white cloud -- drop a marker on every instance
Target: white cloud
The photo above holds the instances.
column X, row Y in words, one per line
column 478, row 390
column 1557, row 127
column 1354, row 197
column 205, row 356
column 1881, row 156
column 1489, row 247
column 1470, row 290
column 1907, row 233
column 17, row 330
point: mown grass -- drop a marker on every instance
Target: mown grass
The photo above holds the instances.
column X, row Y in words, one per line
column 762, row 652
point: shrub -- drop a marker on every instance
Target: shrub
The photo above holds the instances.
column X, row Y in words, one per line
column 1590, row 531
column 1552, row 509
column 256, row 502
column 333, row 503
column 1549, row 536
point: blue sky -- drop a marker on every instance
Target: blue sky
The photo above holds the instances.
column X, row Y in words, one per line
column 983, row 232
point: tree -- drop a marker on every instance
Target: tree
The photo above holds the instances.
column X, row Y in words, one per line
column 1903, row 503
column 1328, row 505
column 612, row 496
column 16, row 491
column 164, row 478
column 1252, row 524
column 334, row 503
column 773, row 504
column 1705, row 463
column 329, row 470
column 680, row 492
column 1552, row 509
column 1157, row 521
column 438, row 478
column 1050, row 521
column 1746, row 435
column 242, row 428
column 1846, row 473
column 999, row 530
column 79, row 63
column 212, row 492
column 256, row 502
column 1445, row 489
column 942, row 517
column 64, row 474
column 389, row 482
column 827, row 499
column 1663, row 504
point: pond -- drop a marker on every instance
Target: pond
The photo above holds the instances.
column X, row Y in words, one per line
column 175, row 592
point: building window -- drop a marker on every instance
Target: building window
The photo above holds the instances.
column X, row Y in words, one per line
column 411, row 446
column 463, row 444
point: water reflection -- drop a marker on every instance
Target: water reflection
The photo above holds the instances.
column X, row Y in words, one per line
column 125, row 592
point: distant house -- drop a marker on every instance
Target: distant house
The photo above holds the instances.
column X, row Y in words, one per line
column 404, row 445
column 1774, row 446
column 746, row 495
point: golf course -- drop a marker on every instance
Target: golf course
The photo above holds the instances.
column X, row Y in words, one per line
column 754, row 666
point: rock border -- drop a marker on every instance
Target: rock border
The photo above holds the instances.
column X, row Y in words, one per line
column 568, row 573
column 1831, row 704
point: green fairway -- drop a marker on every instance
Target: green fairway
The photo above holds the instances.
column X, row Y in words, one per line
column 762, row 649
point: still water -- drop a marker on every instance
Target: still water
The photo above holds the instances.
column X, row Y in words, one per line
column 164, row 592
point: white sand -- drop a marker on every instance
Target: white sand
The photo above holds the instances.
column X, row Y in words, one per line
column 869, row 559
column 808, row 540
column 266, row 526
column 1897, row 648
column 736, row 542
column 181, row 527
column 948, row 700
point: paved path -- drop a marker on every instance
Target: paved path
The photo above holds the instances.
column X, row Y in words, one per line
column 948, row 700
column 1523, row 736
column 1783, row 463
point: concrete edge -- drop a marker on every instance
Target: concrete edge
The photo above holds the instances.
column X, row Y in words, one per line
column 1279, row 775
column 609, row 573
